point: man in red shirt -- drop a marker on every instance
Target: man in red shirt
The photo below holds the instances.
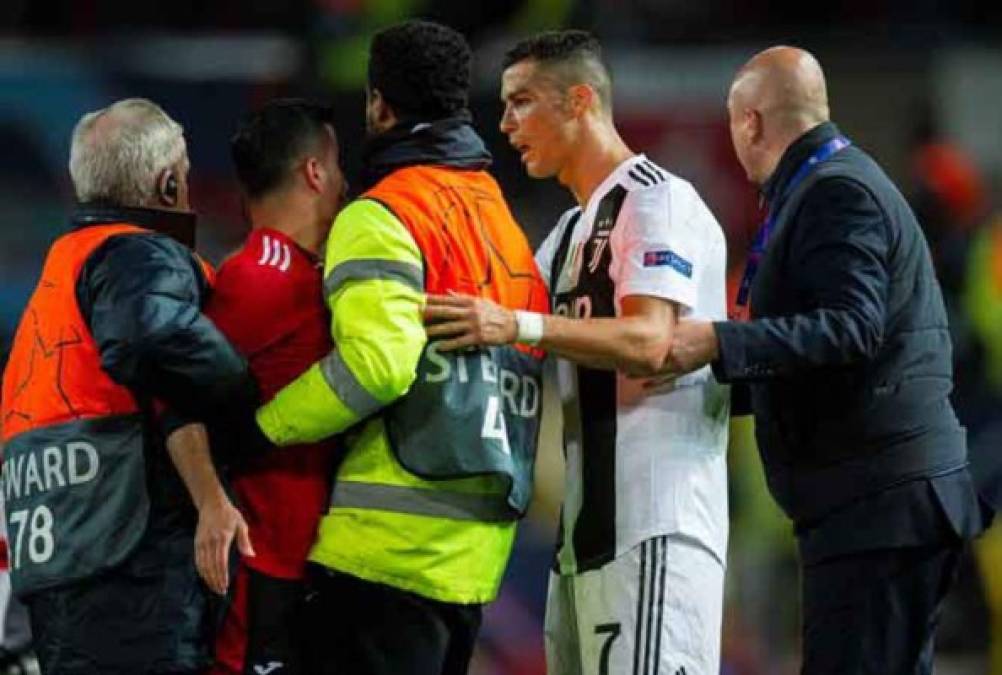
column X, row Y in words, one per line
column 268, row 301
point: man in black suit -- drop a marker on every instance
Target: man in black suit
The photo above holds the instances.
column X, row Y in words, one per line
column 847, row 357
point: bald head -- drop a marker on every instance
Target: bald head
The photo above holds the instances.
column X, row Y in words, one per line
column 785, row 84
column 775, row 98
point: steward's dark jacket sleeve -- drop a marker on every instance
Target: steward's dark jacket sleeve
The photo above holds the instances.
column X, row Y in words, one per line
column 839, row 258
column 141, row 296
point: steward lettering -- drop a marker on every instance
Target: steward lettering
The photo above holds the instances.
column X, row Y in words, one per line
column 519, row 392
column 49, row 468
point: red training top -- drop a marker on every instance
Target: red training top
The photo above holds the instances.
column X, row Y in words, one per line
column 268, row 301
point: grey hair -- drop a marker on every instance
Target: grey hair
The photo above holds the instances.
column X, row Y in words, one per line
column 119, row 152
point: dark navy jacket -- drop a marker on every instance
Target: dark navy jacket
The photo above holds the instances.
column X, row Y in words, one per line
column 141, row 296
column 848, row 355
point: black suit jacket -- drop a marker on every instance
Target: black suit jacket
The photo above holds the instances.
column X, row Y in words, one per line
column 848, row 359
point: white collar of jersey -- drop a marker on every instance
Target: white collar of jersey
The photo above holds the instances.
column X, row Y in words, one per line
column 637, row 164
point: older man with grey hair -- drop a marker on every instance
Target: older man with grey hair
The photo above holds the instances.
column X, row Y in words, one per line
column 101, row 528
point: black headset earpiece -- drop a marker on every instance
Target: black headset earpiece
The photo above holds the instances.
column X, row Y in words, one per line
column 168, row 189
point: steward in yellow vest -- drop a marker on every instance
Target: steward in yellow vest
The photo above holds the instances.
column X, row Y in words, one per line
column 440, row 446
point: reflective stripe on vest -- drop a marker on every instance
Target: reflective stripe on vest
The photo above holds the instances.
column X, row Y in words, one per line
column 420, row 501
column 345, row 385
column 373, row 268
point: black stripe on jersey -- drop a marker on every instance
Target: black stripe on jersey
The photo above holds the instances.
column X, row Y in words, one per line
column 637, row 177
column 649, row 174
column 656, row 169
column 651, row 594
column 642, row 583
column 594, row 536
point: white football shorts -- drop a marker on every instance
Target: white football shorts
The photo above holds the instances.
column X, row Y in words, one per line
column 654, row 610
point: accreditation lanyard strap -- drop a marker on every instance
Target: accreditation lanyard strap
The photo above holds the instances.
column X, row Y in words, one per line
column 761, row 240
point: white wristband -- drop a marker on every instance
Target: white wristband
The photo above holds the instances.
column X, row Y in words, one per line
column 530, row 327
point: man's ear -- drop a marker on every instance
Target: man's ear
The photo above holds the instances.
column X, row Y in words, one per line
column 755, row 125
column 314, row 173
column 383, row 114
column 581, row 98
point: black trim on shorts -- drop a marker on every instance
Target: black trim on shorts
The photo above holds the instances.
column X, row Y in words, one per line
column 652, row 550
column 661, row 602
column 650, row 600
column 642, row 586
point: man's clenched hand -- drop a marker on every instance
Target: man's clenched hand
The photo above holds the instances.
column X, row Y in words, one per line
column 694, row 344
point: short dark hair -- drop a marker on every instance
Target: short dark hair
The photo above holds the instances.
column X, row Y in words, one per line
column 575, row 56
column 422, row 69
column 271, row 140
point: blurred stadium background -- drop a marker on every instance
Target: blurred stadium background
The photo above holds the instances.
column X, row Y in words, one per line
column 916, row 82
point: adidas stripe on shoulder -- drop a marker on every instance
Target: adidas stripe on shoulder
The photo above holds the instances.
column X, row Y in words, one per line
column 275, row 253
column 647, row 174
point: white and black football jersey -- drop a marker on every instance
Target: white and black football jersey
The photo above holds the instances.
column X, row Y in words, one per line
column 640, row 462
